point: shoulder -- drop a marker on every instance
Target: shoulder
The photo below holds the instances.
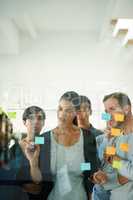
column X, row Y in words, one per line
column 96, row 132
column 46, row 134
column 100, row 139
column 47, row 140
column 88, row 137
column 14, row 147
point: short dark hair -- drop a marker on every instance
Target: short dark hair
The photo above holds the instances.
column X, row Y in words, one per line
column 85, row 99
column 122, row 98
column 33, row 110
column 72, row 97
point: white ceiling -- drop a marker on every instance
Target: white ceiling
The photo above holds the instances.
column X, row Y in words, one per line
column 56, row 14
column 29, row 17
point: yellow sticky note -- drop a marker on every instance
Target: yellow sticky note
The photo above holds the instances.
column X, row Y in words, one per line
column 110, row 150
column 119, row 117
column 124, row 147
column 117, row 164
column 115, row 131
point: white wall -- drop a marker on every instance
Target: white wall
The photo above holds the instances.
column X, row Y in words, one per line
column 59, row 61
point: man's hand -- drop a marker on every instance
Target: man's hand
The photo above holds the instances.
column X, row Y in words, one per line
column 100, row 177
column 108, row 133
column 108, row 158
column 122, row 179
column 116, row 158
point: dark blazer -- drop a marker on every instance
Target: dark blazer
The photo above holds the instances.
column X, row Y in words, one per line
column 90, row 155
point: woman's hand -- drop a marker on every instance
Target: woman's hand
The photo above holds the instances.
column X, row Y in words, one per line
column 30, row 150
column 33, row 155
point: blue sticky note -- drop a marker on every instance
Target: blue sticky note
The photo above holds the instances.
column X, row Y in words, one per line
column 39, row 140
column 85, row 166
column 106, row 116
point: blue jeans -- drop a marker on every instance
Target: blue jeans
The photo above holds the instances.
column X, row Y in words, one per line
column 99, row 193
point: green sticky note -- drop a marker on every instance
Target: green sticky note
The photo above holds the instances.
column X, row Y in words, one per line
column 1, row 110
column 117, row 164
column 39, row 140
column 12, row 115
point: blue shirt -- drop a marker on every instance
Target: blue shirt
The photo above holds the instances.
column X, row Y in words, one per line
column 126, row 168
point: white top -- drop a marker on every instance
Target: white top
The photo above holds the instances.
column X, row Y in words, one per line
column 65, row 167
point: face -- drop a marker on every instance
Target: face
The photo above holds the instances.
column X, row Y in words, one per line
column 34, row 124
column 84, row 113
column 112, row 107
column 66, row 112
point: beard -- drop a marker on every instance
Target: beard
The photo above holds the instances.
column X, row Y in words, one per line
column 119, row 125
column 115, row 124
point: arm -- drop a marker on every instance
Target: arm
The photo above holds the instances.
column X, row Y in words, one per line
column 124, row 173
column 34, row 167
column 32, row 156
column 90, row 153
column 126, row 169
column 100, row 177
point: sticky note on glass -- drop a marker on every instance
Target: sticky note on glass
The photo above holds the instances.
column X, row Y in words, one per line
column 12, row 115
column 119, row 117
column 85, row 166
column 106, row 116
column 115, row 131
column 124, row 147
column 39, row 140
column 111, row 150
column 117, row 164
column 1, row 110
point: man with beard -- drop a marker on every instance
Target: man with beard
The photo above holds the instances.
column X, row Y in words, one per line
column 115, row 181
